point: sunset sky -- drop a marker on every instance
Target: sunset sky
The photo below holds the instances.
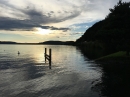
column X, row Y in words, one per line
column 43, row 20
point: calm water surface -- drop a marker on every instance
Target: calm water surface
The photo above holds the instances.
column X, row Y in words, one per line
column 25, row 75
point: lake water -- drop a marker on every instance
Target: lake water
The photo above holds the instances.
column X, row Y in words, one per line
column 26, row 75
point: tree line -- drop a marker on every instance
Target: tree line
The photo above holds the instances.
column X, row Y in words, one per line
column 113, row 31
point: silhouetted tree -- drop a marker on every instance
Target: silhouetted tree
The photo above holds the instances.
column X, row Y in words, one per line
column 114, row 30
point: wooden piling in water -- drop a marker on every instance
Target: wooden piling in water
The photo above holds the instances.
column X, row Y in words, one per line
column 48, row 57
column 45, row 54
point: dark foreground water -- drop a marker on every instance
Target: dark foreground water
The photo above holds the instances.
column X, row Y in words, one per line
column 72, row 74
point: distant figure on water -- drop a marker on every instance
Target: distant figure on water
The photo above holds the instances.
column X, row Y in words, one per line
column 18, row 52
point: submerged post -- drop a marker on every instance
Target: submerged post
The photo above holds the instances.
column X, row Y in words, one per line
column 50, row 58
column 45, row 54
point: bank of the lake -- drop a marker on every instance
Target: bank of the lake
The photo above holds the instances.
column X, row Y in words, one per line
column 115, row 58
column 115, row 78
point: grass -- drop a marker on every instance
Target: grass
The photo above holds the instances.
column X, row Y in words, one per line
column 118, row 57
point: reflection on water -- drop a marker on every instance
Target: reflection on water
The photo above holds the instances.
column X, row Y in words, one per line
column 23, row 75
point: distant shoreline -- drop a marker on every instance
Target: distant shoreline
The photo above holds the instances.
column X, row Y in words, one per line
column 20, row 43
column 40, row 43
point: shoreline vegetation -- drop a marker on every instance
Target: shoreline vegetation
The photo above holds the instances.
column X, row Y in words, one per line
column 108, row 41
column 115, row 58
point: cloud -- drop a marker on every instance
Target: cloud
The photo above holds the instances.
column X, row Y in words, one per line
column 25, row 25
column 26, row 14
column 55, row 28
column 26, row 19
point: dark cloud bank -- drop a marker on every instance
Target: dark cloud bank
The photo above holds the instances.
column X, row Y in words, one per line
column 36, row 19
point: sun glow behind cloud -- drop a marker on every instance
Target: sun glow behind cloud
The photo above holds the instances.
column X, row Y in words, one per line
column 42, row 31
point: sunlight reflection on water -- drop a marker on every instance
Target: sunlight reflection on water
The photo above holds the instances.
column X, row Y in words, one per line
column 24, row 75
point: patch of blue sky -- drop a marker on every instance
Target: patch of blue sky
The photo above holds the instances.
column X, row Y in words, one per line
column 82, row 27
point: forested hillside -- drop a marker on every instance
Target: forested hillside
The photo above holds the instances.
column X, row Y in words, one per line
column 113, row 31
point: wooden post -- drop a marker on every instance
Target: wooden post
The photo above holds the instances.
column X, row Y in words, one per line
column 45, row 54
column 50, row 58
